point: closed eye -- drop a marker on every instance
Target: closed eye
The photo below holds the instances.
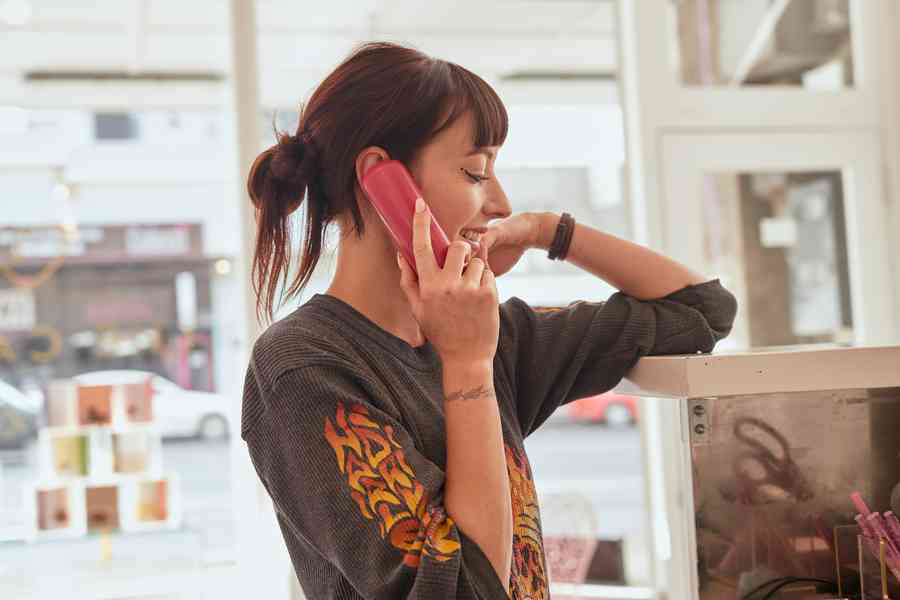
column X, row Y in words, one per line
column 475, row 177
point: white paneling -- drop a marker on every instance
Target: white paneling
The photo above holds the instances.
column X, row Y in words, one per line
column 65, row 13
column 299, row 43
column 502, row 55
column 25, row 50
column 564, row 135
column 169, row 14
column 282, row 88
column 112, row 96
column 186, row 51
column 124, row 204
column 498, row 17
column 466, row 16
column 342, row 15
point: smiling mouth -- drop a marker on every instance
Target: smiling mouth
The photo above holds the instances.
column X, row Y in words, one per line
column 473, row 238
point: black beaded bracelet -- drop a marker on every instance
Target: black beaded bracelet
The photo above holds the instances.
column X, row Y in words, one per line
column 562, row 238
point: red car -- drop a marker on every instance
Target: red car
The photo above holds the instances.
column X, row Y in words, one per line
column 616, row 410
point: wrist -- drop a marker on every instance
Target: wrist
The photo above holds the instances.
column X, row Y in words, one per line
column 544, row 230
column 468, row 368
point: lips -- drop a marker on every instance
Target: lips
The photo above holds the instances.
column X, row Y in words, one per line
column 473, row 238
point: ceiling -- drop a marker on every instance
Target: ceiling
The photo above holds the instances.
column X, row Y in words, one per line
column 536, row 41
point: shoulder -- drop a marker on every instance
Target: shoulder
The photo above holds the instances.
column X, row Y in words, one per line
column 301, row 341
column 294, row 363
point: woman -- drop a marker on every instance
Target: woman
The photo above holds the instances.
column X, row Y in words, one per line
column 386, row 416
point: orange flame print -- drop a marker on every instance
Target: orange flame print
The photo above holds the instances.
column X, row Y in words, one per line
column 528, row 579
column 385, row 488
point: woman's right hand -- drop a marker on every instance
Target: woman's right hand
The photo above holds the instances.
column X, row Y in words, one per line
column 456, row 306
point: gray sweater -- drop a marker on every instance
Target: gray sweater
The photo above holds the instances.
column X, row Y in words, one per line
column 344, row 423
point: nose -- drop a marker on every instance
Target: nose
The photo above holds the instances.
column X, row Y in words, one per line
column 497, row 204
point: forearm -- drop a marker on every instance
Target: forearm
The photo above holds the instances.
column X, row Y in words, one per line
column 636, row 270
column 476, row 490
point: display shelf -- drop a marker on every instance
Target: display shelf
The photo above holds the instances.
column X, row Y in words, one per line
column 152, row 503
column 757, row 456
column 70, row 404
column 66, row 453
column 100, row 465
column 114, row 503
column 54, row 510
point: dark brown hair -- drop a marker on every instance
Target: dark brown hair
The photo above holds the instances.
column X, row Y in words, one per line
column 383, row 95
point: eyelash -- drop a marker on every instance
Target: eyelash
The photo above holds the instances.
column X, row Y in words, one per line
column 475, row 178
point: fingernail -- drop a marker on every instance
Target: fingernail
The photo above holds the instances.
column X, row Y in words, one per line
column 399, row 259
column 420, row 205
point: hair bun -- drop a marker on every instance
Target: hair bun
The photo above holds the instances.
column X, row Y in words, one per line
column 293, row 160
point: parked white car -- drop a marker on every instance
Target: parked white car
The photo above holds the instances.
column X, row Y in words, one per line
column 177, row 412
column 18, row 416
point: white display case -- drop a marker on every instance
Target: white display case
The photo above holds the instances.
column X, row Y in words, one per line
column 758, row 455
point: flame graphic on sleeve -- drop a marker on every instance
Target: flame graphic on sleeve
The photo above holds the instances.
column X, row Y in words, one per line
column 385, row 488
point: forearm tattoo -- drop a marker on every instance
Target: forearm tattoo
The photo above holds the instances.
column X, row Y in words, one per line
column 474, row 394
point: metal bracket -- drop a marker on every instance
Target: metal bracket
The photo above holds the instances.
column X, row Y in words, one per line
column 698, row 421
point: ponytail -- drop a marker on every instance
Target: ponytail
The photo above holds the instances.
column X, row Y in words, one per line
column 279, row 180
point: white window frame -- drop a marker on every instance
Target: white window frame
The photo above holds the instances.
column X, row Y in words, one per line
column 687, row 158
column 661, row 113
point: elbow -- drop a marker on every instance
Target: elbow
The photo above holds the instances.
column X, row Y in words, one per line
column 722, row 313
column 719, row 313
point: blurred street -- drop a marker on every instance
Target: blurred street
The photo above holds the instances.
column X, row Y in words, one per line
column 593, row 461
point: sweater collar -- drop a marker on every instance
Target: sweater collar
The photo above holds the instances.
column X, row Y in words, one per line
column 424, row 357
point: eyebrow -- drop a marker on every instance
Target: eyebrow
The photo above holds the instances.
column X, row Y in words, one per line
column 484, row 151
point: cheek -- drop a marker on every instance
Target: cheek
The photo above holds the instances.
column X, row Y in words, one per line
column 453, row 203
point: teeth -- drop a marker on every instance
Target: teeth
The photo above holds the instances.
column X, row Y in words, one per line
column 471, row 236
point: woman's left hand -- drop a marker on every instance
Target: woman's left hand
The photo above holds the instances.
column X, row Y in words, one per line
column 504, row 243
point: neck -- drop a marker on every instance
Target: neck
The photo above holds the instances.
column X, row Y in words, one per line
column 368, row 279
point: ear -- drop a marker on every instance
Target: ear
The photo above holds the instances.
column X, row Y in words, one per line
column 366, row 159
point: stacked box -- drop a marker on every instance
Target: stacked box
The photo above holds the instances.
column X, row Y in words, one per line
column 100, row 464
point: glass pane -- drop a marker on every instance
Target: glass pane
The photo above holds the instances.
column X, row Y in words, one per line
column 118, row 390
column 802, row 43
column 593, row 194
column 779, row 240
column 772, row 500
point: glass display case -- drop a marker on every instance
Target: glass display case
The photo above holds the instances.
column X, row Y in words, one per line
column 787, row 471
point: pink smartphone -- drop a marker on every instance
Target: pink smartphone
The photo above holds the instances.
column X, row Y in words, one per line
column 393, row 193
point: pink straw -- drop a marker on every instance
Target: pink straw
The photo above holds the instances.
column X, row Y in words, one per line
column 860, row 504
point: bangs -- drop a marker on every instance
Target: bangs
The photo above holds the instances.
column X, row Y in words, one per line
column 471, row 93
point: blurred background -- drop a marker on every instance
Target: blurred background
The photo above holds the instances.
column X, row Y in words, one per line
column 756, row 140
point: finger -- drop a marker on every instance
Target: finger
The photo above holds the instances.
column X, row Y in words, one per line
column 483, row 252
column 426, row 263
column 408, row 282
column 472, row 275
column 488, row 280
column 458, row 254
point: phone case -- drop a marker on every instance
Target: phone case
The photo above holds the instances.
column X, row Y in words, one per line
column 393, row 193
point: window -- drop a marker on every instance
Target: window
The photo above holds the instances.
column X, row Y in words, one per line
column 115, row 126
column 120, row 388
column 806, row 43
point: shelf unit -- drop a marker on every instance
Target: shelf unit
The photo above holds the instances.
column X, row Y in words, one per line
column 100, row 465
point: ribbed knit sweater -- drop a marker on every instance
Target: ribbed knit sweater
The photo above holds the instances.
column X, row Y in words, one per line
column 344, row 423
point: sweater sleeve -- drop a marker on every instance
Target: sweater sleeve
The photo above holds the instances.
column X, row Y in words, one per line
column 585, row 349
column 349, row 485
